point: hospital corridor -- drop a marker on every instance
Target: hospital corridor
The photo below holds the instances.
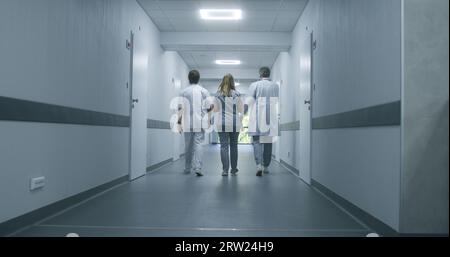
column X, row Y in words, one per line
column 100, row 99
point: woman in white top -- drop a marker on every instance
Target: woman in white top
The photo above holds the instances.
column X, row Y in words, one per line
column 229, row 110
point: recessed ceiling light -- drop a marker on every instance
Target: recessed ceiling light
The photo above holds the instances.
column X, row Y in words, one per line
column 228, row 62
column 221, row 14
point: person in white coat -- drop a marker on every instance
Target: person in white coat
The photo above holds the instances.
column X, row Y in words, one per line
column 263, row 125
column 195, row 108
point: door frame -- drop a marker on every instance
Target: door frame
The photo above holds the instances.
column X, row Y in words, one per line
column 278, row 143
column 176, row 138
column 311, row 99
column 130, row 47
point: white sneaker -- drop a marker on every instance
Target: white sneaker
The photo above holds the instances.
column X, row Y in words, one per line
column 259, row 170
column 266, row 170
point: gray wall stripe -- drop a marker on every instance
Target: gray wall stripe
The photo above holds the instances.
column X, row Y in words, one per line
column 381, row 115
column 291, row 126
column 30, row 218
column 157, row 124
column 12, row 109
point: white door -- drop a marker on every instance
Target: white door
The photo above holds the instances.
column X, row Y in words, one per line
column 177, row 138
column 305, row 106
column 138, row 105
column 278, row 142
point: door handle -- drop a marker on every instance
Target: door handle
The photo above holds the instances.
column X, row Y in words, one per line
column 307, row 101
column 135, row 100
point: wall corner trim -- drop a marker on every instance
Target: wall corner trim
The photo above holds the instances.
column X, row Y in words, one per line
column 291, row 169
column 372, row 222
column 159, row 165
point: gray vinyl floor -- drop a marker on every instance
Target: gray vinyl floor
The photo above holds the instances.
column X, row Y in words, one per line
column 169, row 203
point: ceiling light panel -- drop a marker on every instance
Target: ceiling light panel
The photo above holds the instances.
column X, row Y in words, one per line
column 228, row 62
column 221, row 14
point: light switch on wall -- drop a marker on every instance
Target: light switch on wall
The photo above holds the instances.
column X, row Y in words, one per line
column 37, row 183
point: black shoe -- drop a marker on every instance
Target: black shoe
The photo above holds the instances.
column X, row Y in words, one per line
column 259, row 173
column 199, row 173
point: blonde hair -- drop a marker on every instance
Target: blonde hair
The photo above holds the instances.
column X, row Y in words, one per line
column 227, row 85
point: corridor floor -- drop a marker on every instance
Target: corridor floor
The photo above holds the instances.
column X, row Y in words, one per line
column 169, row 203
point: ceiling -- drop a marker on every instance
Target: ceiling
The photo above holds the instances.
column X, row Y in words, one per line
column 258, row 15
column 266, row 16
column 249, row 60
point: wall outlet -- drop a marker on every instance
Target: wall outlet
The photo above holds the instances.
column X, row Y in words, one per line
column 289, row 154
column 36, row 183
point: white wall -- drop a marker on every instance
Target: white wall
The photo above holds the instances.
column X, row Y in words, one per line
column 288, row 96
column 357, row 64
column 161, row 144
column 71, row 53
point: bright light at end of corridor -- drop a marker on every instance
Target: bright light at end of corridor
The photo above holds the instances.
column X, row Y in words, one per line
column 221, row 14
column 228, row 62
